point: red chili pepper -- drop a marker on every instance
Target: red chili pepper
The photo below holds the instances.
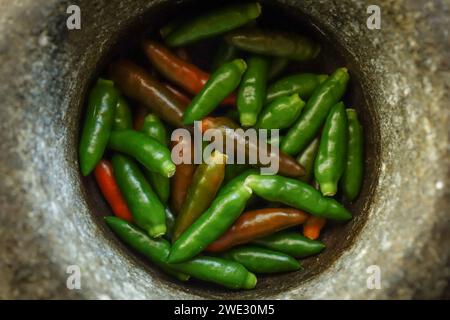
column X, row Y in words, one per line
column 105, row 179
column 184, row 98
column 184, row 74
column 313, row 226
column 256, row 224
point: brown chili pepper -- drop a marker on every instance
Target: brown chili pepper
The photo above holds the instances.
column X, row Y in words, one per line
column 287, row 165
column 206, row 182
column 136, row 83
column 139, row 117
column 181, row 180
column 182, row 73
column 255, row 224
column 313, row 226
column 182, row 53
column 186, row 100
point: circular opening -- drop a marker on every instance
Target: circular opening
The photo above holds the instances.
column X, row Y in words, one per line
column 280, row 16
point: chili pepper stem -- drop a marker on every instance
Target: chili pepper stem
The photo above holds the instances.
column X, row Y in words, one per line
column 328, row 189
column 170, row 168
column 157, row 231
column 248, row 119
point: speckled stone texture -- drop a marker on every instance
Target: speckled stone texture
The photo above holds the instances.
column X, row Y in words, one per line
column 46, row 222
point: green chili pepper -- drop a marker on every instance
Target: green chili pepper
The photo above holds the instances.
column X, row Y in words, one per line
column 226, row 273
column 225, row 53
column 225, row 209
column 304, row 84
column 160, row 184
column 147, row 210
column 154, row 128
column 330, row 162
column 213, row 23
column 221, row 83
column 260, row 260
column 97, row 125
column 291, row 243
column 275, row 140
column 281, row 113
column 296, row 194
column 170, row 223
column 153, row 155
column 352, row 178
column 154, row 249
column 122, row 118
column 277, row 66
column 306, row 160
column 325, row 96
column 170, row 27
column 229, row 274
column 252, row 91
column 206, row 182
column 273, row 43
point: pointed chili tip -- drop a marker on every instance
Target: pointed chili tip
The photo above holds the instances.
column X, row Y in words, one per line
column 112, row 221
column 109, row 218
column 250, row 281
column 85, row 171
column 172, row 258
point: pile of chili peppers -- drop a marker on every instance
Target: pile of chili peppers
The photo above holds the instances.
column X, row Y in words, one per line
column 196, row 220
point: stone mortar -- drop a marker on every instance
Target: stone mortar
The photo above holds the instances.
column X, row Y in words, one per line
column 46, row 209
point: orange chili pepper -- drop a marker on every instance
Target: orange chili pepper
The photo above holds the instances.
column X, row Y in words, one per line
column 313, row 226
column 256, row 224
column 184, row 74
column 105, row 179
column 180, row 182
